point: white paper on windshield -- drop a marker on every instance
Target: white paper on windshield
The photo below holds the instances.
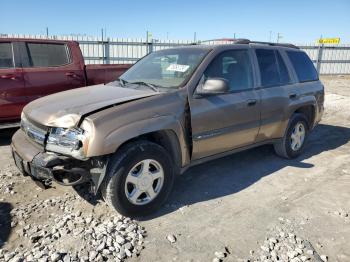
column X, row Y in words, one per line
column 178, row 68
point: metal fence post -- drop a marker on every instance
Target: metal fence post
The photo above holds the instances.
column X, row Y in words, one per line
column 319, row 58
column 149, row 46
column 106, row 58
column 150, row 50
column 149, row 42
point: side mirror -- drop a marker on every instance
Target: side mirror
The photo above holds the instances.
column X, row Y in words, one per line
column 213, row 86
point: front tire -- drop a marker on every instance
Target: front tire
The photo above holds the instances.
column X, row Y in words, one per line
column 293, row 142
column 139, row 179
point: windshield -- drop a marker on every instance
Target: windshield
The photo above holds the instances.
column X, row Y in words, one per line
column 167, row 68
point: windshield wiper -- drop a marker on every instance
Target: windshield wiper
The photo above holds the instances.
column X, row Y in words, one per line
column 153, row 87
column 122, row 81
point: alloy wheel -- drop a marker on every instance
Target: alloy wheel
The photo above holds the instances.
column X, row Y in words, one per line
column 144, row 182
column 297, row 136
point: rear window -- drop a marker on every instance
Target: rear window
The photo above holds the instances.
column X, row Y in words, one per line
column 273, row 70
column 47, row 55
column 303, row 66
column 6, row 56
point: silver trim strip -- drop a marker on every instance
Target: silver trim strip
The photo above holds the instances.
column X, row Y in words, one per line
column 36, row 134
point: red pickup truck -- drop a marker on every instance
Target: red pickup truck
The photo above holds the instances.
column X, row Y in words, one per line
column 30, row 69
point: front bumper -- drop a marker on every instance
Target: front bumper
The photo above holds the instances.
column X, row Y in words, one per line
column 31, row 159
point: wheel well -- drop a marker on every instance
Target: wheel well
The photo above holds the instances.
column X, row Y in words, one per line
column 165, row 138
column 308, row 112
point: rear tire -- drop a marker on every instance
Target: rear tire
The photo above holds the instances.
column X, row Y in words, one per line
column 140, row 168
column 294, row 139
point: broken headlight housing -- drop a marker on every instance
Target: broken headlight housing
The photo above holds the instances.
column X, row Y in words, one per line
column 69, row 141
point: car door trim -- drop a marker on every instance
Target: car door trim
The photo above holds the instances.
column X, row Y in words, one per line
column 218, row 132
column 202, row 160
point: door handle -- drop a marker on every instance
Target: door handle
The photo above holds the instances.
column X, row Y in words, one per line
column 293, row 96
column 251, row 102
column 71, row 74
column 9, row 76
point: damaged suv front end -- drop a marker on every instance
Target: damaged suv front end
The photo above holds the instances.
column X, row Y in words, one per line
column 56, row 136
column 54, row 153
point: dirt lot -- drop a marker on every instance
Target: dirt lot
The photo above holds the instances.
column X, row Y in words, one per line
column 232, row 204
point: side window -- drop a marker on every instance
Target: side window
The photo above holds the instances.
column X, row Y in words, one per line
column 273, row 70
column 234, row 66
column 46, row 55
column 6, row 55
column 303, row 66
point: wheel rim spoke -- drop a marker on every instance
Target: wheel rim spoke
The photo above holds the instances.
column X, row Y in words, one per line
column 132, row 179
column 157, row 174
column 150, row 192
column 145, row 166
column 135, row 195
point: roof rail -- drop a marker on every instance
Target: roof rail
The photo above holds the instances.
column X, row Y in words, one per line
column 233, row 40
column 247, row 41
column 274, row 44
column 241, row 41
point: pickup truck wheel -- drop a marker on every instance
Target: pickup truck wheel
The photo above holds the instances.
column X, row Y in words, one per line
column 293, row 142
column 139, row 179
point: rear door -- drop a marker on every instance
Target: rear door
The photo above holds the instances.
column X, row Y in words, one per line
column 49, row 68
column 226, row 121
column 12, row 95
column 277, row 90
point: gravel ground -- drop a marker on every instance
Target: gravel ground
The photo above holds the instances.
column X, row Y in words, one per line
column 251, row 206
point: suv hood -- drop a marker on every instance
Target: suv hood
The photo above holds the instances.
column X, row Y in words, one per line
column 65, row 109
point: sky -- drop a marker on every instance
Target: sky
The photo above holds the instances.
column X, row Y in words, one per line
column 296, row 21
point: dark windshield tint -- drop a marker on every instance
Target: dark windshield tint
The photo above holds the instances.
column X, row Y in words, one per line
column 273, row 70
column 167, row 68
column 268, row 67
column 303, row 66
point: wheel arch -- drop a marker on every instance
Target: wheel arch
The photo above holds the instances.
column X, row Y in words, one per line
column 166, row 138
column 309, row 111
column 166, row 131
column 306, row 106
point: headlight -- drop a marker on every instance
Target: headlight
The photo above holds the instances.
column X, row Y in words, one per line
column 69, row 141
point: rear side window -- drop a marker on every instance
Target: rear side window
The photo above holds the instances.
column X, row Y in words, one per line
column 273, row 70
column 46, row 55
column 303, row 66
column 6, row 56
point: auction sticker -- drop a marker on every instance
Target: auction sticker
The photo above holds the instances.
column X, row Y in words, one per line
column 178, row 68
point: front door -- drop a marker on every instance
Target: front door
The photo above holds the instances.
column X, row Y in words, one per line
column 12, row 95
column 226, row 121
